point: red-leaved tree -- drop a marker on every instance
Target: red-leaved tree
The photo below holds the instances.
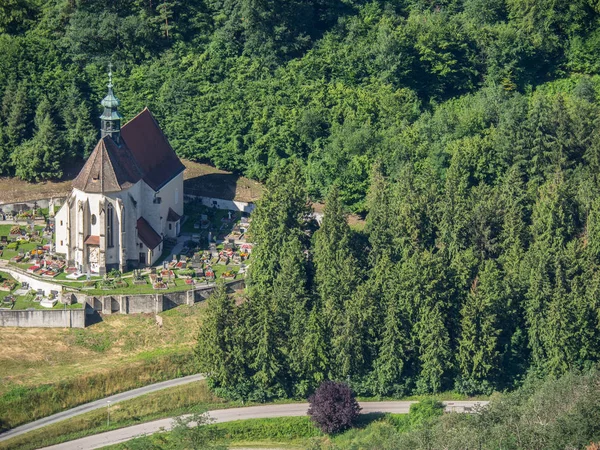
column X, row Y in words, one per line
column 333, row 407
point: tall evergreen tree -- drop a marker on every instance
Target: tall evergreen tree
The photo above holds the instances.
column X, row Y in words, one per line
column 281, row 210
column 336, row 274
column 381, row 218
column 218, row 350
column 43, row 156
column 316, row 361
column 5, row 154
column 481, row 319
column 18, row 118
column 393, row 344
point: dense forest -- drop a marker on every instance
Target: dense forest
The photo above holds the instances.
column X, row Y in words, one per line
column 466, row 131
column 337, row 84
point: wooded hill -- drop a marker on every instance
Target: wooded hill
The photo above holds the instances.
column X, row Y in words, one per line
column 466, row 131
column 245, row 84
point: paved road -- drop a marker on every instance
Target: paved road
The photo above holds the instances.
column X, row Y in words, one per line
column 229, row 415
column 102, row 403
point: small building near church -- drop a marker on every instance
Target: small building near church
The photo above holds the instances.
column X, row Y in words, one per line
column 127, row 198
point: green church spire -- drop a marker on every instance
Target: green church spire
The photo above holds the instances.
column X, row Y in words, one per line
column 111, row 118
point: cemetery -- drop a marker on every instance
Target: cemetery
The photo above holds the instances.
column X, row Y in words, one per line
column 19, row 296
column 215, row 248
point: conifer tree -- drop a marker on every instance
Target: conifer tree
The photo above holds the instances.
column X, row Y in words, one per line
column 18, row 118
column 455, row 205
column 538, row 140
column 434, row 349
column 80, row 134
column 537, row 299
column 290, row 303
column 315, row 357
column 5, row 154
column 380, row 220
column 266, row 356
column 218, row 350
column 8, row 97
column 414, row 210
column 423, row 280
column 335, row 267
column 281, row 210
column 336, row 272
column 394, row 345
column 481, row 318
column 592, row 234
column 41, row 157
column 560, row 334
column 352, row 343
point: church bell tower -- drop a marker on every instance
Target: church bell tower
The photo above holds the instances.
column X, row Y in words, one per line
column 111, row 118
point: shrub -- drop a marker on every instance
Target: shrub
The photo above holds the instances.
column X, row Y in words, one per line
column 424, row 411
column 13, row 245
column 333, row 407
column 114, row 273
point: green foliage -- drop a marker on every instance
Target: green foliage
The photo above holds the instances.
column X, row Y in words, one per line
column 566, row 412
column 192, row 432
column 466, row 132
column 26, row 404
column 424, row 411
column 42, row 156
column 337, row 85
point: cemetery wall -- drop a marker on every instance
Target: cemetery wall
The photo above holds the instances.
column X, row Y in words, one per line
column 56, row 318
column 107, row 304
column 151, row 303
column 221, row 203
column 40, row 203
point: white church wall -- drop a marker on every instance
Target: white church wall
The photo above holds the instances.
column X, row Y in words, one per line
column 132, row 200
column 171, row 196
column 60, row 229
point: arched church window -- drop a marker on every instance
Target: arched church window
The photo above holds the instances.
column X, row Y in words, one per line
column 93, row 219
column 109, row 225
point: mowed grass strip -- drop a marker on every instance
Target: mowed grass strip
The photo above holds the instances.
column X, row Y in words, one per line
column 44, row 371
column 281, row 432
column 189, row 398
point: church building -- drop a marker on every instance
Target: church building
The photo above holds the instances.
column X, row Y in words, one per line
column 127, row 198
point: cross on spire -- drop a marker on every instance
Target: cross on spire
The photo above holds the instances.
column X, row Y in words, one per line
column 110, row 75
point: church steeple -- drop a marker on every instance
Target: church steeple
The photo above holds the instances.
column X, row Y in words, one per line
column 111, row 118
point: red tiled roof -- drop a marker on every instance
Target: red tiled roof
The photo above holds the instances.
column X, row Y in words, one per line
column 92, row 240
column 108, row 169
column 151, row 150
column 173, row 216
column 147, row 234
column 144, row 153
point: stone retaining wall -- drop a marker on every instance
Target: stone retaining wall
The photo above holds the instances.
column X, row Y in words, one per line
column 107, row 304
column 148, row 303
column 52, row 318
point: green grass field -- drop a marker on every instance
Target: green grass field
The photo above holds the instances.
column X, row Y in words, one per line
column 190, row 398
column 44, row 371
